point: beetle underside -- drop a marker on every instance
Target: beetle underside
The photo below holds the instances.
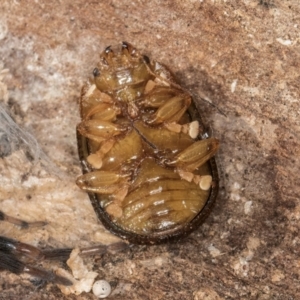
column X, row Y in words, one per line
column 149, row 174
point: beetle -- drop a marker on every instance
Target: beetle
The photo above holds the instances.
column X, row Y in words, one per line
column 150, row 174
column 148, row 166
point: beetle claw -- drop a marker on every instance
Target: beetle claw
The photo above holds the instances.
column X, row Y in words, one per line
column 108, row 50
column 128, row 48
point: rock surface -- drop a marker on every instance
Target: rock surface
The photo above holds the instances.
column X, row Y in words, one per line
column 240, row 60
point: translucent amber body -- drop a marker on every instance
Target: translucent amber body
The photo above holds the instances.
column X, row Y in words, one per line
column 149, row 174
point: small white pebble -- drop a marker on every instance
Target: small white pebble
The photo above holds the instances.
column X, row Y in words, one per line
column 284, row 42
column 233, row 85
column 3, row 30
column 248, row 207
column 214, row 252
column 101, row 289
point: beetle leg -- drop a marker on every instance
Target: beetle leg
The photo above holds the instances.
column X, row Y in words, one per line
column 98, row 126
column 91, row 97
column 96, row 159
column 106, row 183
column 204, row 181
column 103, row 111
column 192, row 129
column 107, row 56
column 155, row 96
column 114, row 209
column 171, row 103
column 129, row 49
column 171, row 110
column 98, row 130
column 193, row 157
column 103, row 182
